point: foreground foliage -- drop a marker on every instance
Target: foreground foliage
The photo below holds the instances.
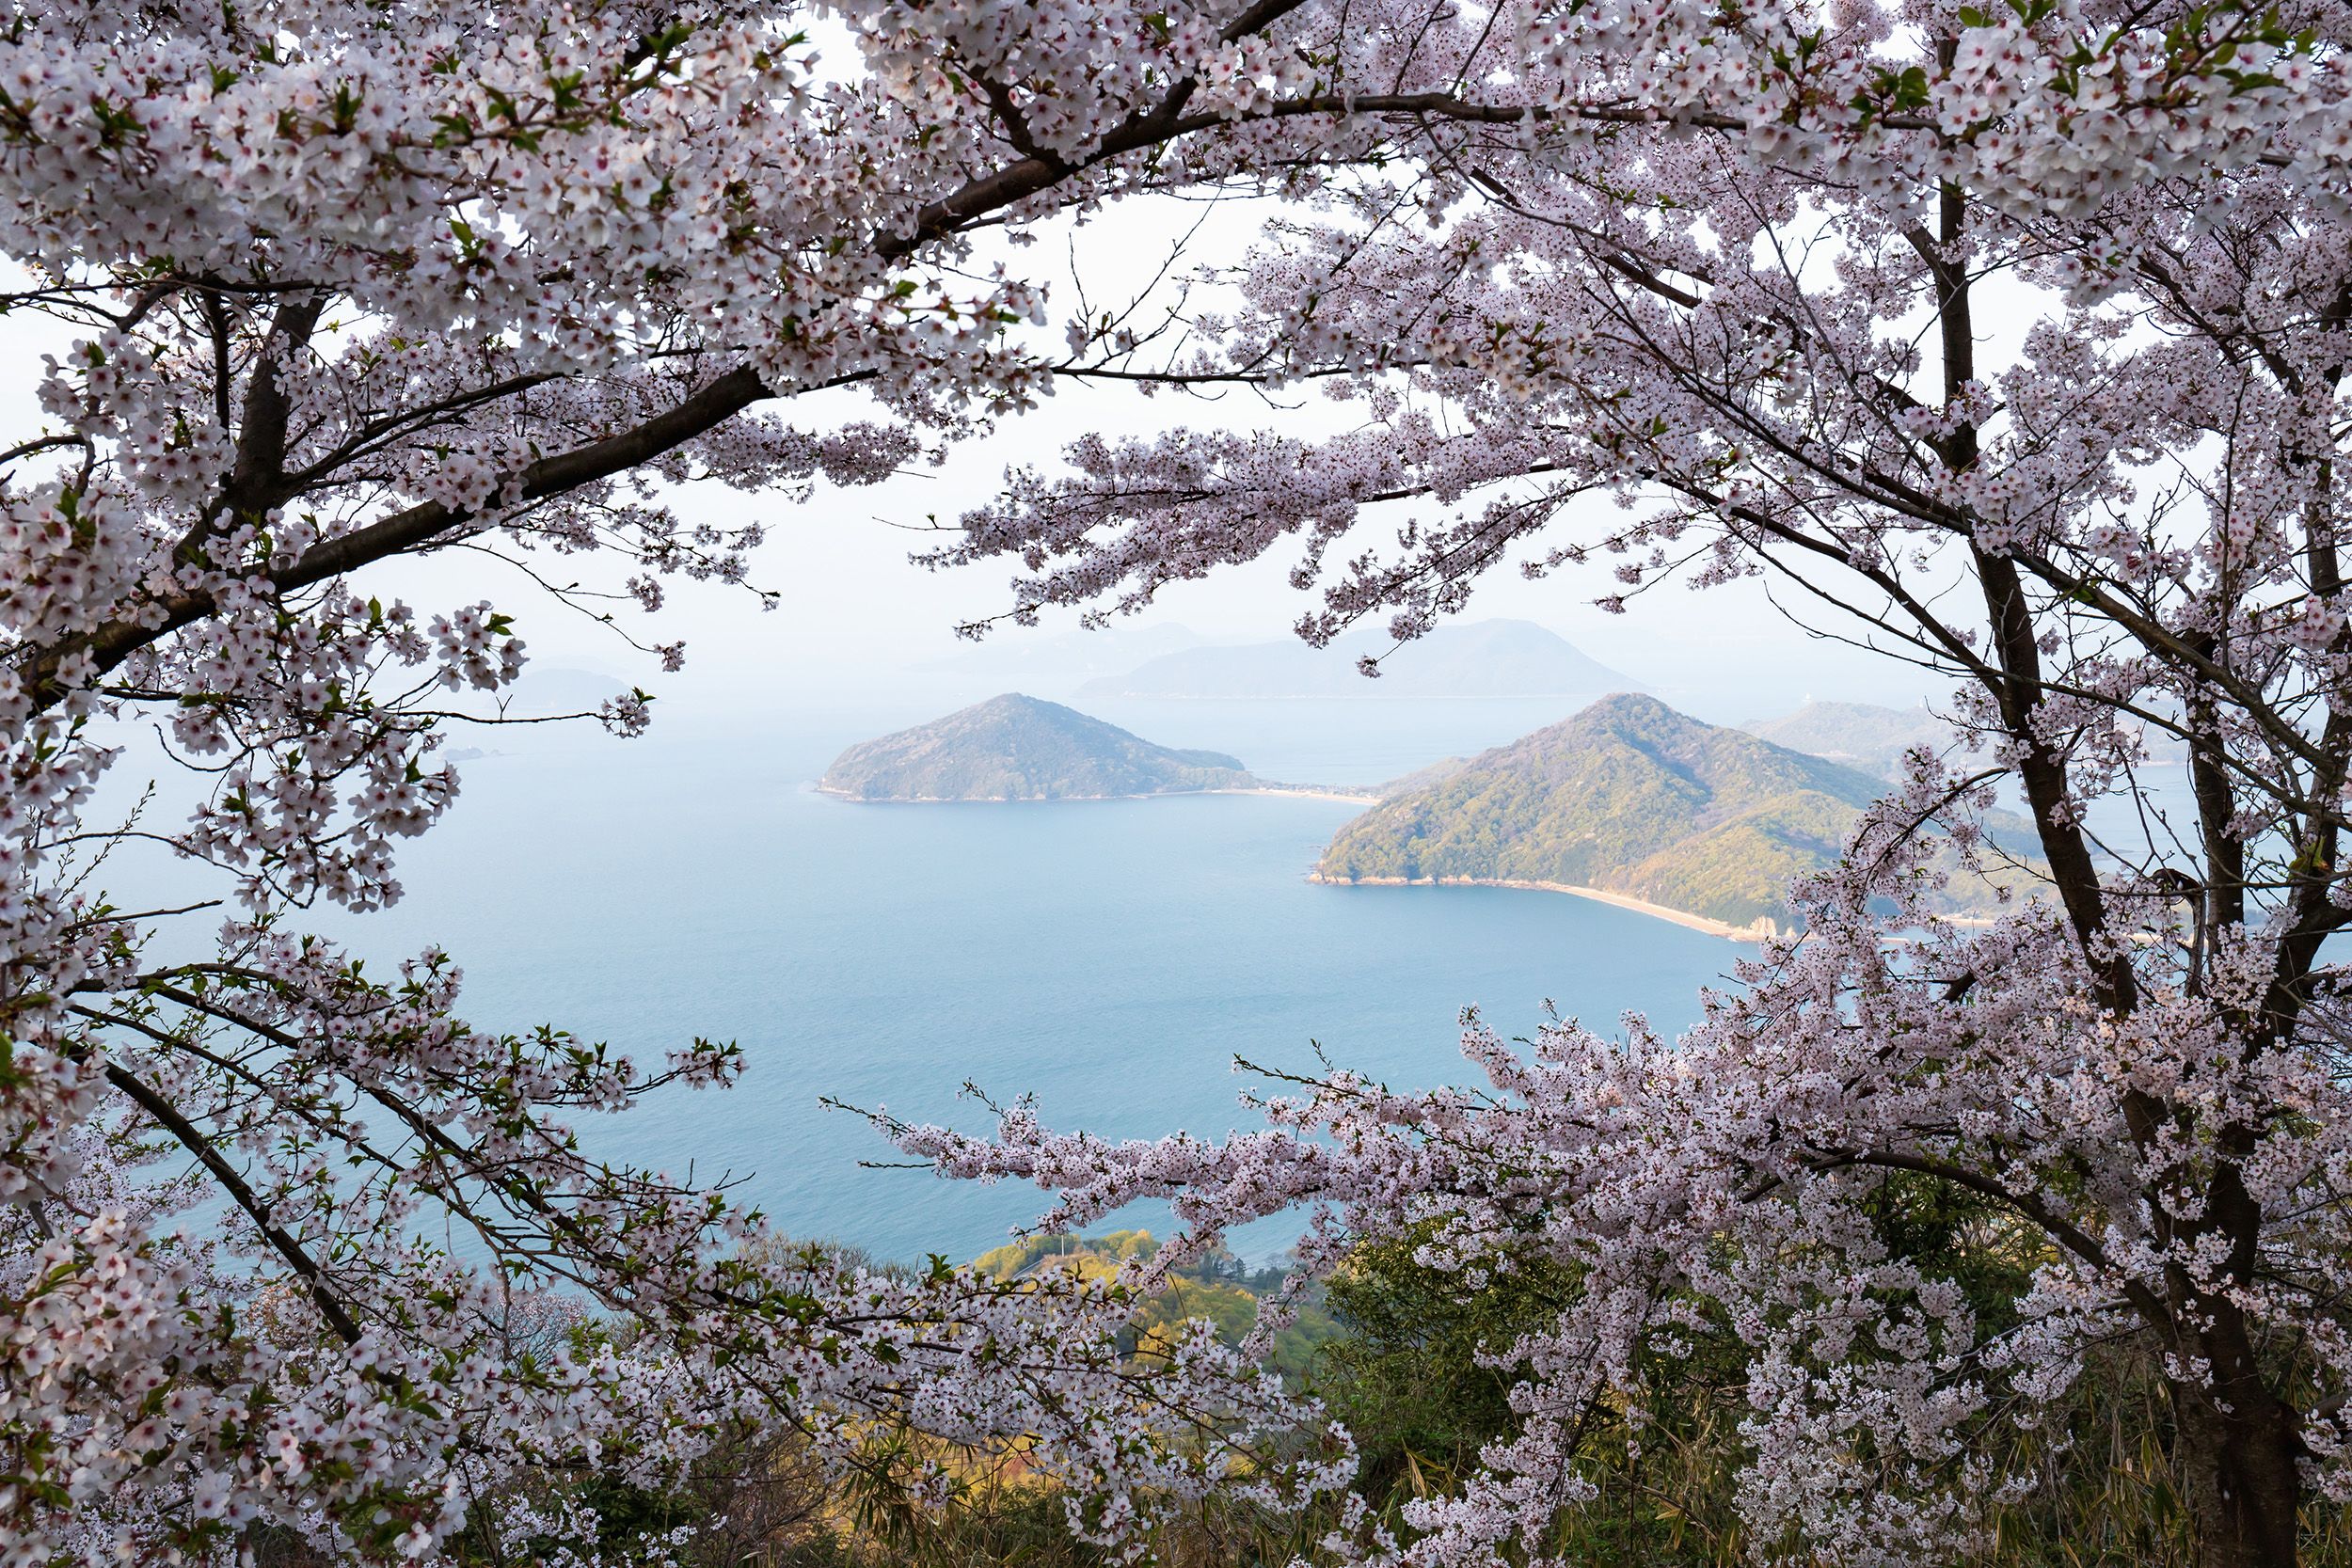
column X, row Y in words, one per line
column 2007, row 339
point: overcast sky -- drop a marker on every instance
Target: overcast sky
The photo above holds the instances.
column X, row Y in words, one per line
column 854, row 614
column 853, row 608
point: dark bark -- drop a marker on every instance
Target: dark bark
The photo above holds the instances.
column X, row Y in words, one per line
column 2235, row 1456
column 2237, row 1443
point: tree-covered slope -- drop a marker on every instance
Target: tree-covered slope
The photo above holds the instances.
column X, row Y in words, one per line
column 1629, row 797
column 1017, row 747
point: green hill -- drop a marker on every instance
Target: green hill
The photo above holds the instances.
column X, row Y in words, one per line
column 1628, row 797
column 1017, row 747
column 1217, row 1287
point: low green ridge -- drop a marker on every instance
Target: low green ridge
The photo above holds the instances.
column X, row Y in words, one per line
column 1628, row 797
column 1018, row 747
column 1215, row 1286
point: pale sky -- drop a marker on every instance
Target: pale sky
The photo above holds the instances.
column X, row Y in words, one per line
column 853, row 612
column 852, row 607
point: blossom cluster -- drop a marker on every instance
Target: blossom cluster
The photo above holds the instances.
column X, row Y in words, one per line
column 1733, row 1181
column 333, row 284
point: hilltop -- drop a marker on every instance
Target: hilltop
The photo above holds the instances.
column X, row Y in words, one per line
column 1628, row 799
column 1483, row 659
column 1019, row 747
column 1862, row 734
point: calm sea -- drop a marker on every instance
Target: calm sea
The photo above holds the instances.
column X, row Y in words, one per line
column 1110, row 957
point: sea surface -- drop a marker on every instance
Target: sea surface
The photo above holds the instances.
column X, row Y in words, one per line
column 1111, row 959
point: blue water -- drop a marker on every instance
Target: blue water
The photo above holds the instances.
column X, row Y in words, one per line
column 1110, row 957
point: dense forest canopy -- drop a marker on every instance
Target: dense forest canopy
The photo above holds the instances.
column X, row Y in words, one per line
column 1632, row 797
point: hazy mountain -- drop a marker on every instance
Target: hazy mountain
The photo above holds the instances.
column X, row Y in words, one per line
column 1629, row 797
column 561, row 688
column 1859, row 733
column 1483, row 659
column 1017, row 747
column 1024, row 653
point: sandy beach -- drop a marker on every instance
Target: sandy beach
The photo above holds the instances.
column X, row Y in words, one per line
column 1302, row 794
column 1753, row 932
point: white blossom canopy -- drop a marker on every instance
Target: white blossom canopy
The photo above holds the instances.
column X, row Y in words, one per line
column 349, row 282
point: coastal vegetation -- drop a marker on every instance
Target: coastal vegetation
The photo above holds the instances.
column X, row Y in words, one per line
column 2009, row 342
column 1018, row 747
column 1215, row 1288
column 1631, row 797
column 1422, row 1373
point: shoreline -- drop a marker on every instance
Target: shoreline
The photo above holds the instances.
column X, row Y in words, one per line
column 1752, row 932
column 1301, row 793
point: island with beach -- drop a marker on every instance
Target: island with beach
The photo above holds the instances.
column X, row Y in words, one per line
column 1628, row 802
column 1637, row 805
column 1021, row 748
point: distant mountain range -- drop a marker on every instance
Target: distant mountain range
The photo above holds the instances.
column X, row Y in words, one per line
column 1029, row 655
column 541, row 693
column 1859, row 733
column 1018, row 747
column 1481, row 659
column 1868, row 736
column 1627, row 797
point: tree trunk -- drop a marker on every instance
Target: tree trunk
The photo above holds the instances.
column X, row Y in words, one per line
column 2235, row 1458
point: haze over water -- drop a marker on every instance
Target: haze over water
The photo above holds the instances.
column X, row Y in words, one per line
column 1112, row 957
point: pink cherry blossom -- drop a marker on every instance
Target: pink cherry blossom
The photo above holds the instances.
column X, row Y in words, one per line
column 2009, row 340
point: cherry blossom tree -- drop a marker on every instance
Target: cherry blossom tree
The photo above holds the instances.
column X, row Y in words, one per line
column 2009, row 341
column 335, row 284
column 340, row 283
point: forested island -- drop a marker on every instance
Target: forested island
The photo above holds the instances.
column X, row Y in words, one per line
column 1628, row 801
column 1021, row 748
column 1632, row 801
